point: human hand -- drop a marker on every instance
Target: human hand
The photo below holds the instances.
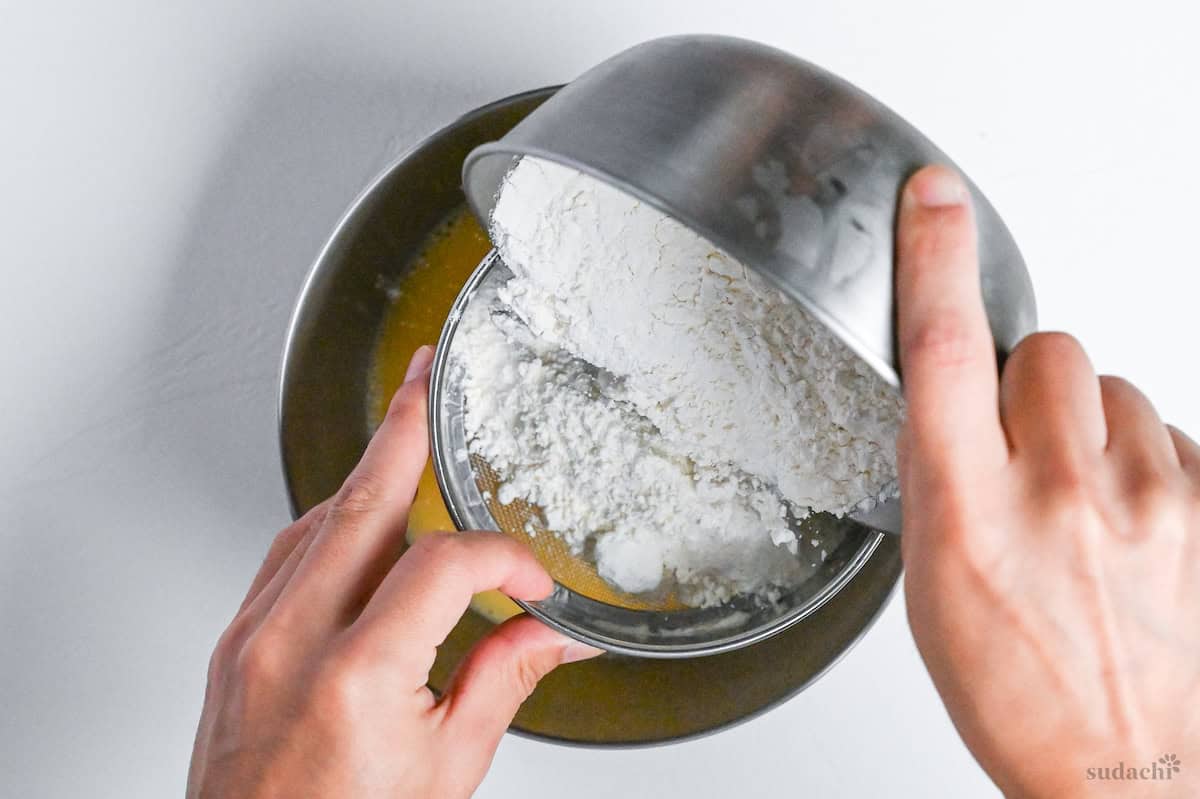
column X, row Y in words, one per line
column 1051, row 535
column 318, row 686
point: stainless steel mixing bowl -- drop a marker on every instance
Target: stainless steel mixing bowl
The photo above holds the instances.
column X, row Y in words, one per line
column 324, row 427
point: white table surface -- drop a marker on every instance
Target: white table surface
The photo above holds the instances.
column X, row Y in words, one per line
column 169, row 170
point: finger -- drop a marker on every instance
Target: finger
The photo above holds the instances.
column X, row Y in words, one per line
column 282, row 547
column 1188, row 452
column 1050, row 402
column 496, row 677
column 364, row 528
column 250, row 616
column 1136, row 434
column 253, row 614
column 430, row 587
column 946, row 350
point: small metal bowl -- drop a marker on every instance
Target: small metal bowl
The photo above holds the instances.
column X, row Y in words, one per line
column 792, row 171
column 324, row 426
column 786, row 167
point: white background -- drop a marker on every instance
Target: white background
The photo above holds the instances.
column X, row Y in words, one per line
column 169, row 169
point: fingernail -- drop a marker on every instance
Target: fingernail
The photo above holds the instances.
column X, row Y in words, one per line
column 937, row 187
column 577, row 650
column 421, row 360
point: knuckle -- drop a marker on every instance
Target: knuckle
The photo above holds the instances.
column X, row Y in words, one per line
column 524, row 667
column 216, row 672
column 963, row 534
column 311, row 518
column 1118, row 395
column 285, row 539
column 1156, row 505
column 408, row 405
column 1068, row 502
column 363, row 492
column 446, row 556
column 1117, row 384
column 340, row 690
column 1046, row 350
column 262, row 660
column 453, row 557
column 229, row 644
column 948, row 340
column 218, row 664
column 951, row 521
column 441, row 547
column 526, row 676
column 1180, row 438
column 1187, row 452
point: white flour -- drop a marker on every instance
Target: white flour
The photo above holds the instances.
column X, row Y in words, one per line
column 719, row 407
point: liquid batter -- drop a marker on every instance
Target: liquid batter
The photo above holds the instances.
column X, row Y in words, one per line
column 421, row 301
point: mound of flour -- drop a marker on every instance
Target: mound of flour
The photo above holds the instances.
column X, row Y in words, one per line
column 668, row 410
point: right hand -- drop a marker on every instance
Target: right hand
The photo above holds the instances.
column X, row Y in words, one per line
column 1051, row 536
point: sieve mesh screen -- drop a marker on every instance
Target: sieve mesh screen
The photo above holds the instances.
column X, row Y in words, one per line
column 525, row 523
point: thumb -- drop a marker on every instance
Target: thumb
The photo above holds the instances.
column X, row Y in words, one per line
column 498, row 675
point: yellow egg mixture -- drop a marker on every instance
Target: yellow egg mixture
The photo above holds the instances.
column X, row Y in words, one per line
column 422, row 299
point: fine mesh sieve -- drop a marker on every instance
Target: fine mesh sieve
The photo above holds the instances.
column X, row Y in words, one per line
column 583, row 603
column 524, row 522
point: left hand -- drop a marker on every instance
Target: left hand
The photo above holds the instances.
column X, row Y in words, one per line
column 318, row 686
